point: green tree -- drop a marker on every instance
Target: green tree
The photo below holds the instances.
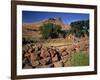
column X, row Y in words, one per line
column 50, row 30
column 45, row 30
column 79, row 28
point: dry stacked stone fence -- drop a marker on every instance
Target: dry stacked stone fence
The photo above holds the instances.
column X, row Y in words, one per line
column 39, row 56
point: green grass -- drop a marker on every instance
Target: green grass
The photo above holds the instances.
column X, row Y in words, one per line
column 80, row 59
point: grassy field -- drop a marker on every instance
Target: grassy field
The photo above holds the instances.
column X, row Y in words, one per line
column 78, row 59
column 49, row 42
column 57, row 42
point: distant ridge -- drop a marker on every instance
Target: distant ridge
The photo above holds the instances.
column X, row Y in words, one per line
column 37, row 25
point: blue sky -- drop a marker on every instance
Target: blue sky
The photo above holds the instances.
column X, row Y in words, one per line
column 67, row 18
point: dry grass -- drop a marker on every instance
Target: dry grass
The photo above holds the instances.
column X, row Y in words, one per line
column 57, row 42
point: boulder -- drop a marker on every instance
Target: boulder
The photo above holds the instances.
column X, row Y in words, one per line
column 44, row 53
column 48, row 60
column 64, row 53
column 58, row 64
column 45, row 61
column 33, row 56
column 48, row 66
column 45, row 66
column 27, row 55
column 55, row 58
column 63, row 49
column 34, row 63
column 51, row 52
column 64, row 58
column 39, row 46
column 30, row 50
column 42, row 62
